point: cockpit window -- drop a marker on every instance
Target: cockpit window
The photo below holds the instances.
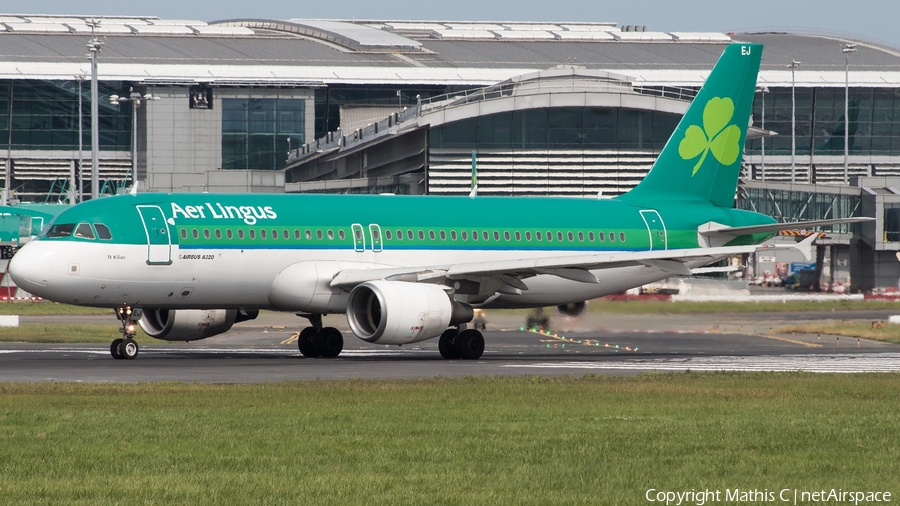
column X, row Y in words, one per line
column 61, row 230
column 84, row 231
column 103, row 231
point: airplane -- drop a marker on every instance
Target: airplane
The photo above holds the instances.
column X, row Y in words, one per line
column 404, row 268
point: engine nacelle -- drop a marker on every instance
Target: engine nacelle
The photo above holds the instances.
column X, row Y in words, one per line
column 572, row 309
column 398, row 312
column 191, row 324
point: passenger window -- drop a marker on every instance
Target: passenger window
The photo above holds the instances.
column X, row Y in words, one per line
column 274, row 234
column 612, row 237
column 104, row 234
column 538, row 235
column 474, row 235
column 285, row 234
column 84, row 231
column 443, row 235
column 319, row 234
column 262, row 233
column 496, row 235
column 581, row 236
column 431, row 234
column 308, row 235
column 528, row 236
column 399, row 235
column 64, row 230
column 453, row 235
column 591, row 236
column 341, row 234
column 485, row 235
column 387, row 234
column 206, row 233
column 195, row 234
column 559, row 236
column 229, row 233
column 549, row 236
column 240, row 233
column 409, row 235
column 601, row 236
column 465, row 236
column 183, row 233
column 218, row 234
column 506, row 235
column 331, row 235
column 296, row 234
column 421, row 235
column 570, row 236
column 252, row 234
column 622, row 236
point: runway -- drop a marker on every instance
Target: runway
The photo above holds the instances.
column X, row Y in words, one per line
column 258, row 354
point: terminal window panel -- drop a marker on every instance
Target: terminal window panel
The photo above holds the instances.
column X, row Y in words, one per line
column 37, row 114
column 255, row 131
column 560, row 128
column 874, row 121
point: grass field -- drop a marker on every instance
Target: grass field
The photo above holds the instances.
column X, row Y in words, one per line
column 67, row 333
column 890, row 333
column 534, row 441
column 49, row 308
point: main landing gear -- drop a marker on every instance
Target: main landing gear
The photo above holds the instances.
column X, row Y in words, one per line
column 317, row 341
column 461, row 343
column 126, row 347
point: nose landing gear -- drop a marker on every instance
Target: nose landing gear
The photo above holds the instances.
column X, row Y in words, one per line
column 126, row 347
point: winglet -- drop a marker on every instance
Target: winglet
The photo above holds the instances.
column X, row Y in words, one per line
column 134, row 188
column 805, row 247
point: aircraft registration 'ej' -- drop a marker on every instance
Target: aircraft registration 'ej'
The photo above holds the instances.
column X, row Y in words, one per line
column 404, row 268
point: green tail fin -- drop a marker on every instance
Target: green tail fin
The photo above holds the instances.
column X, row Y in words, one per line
column 701, row 162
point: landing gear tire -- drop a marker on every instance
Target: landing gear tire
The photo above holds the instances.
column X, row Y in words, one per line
column 305, row 343
column 114, row 349
column 469, row 344
column 447, row 344
column 329, row 342
column 128, row 349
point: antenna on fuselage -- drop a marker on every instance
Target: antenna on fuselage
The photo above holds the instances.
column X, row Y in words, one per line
column 474, row 192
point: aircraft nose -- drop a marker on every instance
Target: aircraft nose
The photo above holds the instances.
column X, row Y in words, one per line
column 30, row 268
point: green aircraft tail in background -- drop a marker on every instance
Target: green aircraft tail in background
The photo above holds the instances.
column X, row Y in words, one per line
column 701, row 162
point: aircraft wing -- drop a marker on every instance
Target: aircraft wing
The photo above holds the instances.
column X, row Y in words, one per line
column 575, row 267
column 713, row 230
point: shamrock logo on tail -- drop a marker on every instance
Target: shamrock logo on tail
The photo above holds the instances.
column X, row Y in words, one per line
column 724, row 143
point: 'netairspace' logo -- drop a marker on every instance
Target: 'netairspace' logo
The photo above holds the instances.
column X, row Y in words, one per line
column 715, row 137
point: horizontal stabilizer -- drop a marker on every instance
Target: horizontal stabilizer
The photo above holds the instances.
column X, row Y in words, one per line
column 712, row 230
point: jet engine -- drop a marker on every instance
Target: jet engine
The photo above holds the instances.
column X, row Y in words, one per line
column 399, row 312
column 191, row 324
column 572, row 309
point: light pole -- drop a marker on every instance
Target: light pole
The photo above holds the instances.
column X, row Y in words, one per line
column 762, row 91
column 847, row 49
column 793, row 66
column 135, row 98
column 80, row 193
column 94, row 47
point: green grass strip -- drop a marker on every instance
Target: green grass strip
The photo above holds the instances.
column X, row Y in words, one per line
column 49, row 308
column 530, row 440
column 68, row 333
column 889, row 333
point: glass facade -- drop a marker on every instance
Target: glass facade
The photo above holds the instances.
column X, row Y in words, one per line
column 255, row 131
column 560, row 128
column 874, row 121
column 43, row 115
column 329, row 100
column 788, row 206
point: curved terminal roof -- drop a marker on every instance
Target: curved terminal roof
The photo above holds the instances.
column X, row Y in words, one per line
column 309, row 52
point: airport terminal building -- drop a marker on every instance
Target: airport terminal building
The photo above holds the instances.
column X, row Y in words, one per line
column 568, row 109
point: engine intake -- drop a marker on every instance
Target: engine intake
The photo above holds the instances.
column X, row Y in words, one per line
column 191, row 324
column 572, row 309
column 399, row 312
